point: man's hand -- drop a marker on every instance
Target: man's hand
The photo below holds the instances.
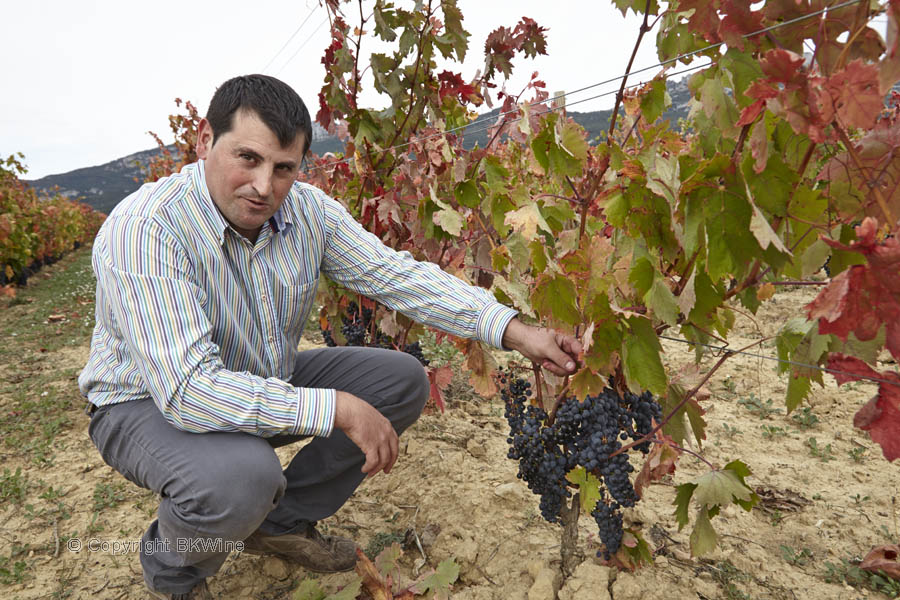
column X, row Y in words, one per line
column 554, row 351
column 368, row 429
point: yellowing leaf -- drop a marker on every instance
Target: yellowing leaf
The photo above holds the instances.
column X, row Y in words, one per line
column 527, row 220
column 588, row 488
column 765, row 291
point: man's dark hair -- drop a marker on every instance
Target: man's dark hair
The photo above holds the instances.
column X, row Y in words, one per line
column 275, row 102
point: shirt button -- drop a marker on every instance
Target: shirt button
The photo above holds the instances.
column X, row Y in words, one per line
column 263, row 297
column 271, row 339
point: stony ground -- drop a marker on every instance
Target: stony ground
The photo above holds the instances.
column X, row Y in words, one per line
column 829, row 495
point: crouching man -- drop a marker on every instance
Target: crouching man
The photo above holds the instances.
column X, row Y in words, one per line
column 204, row 283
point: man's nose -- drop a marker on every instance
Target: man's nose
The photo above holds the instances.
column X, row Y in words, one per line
column 262, row 182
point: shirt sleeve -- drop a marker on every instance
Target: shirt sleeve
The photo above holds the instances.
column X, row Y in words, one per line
column 155, row 310
column 359, row 261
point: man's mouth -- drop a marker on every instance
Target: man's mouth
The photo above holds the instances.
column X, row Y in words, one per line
column 256, row 203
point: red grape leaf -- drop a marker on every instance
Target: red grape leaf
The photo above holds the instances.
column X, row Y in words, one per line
column 738, row 20
column 439, row 379
column 480, row 364
column 883, row 558
column 856, row 94
column 452, row 84
column 881, row 415
column 783, row 66
column 659, row 463
column 850, row 367
column 751, row 113
column 704, row 21
column 883, row 421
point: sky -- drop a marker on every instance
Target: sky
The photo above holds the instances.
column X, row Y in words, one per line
column 85, row 81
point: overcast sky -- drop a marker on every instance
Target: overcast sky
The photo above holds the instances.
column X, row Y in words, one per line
column 84, row 81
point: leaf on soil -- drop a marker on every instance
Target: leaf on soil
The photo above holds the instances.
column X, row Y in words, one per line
column 773, row 500
column 883, row 559
column 376, row 586
column 349, row 592
column 439, row 581
column 309, row 589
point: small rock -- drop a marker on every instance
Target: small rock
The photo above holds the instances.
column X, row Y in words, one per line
column 413, row 446
column 511, row 491
column 275, row 568
column 545, row 584
column 661, row 561
column 476, row 449
column 589, row 582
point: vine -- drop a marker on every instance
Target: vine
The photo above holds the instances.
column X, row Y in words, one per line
column 786, row 162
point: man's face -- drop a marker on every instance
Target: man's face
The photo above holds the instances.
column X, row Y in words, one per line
column 248, row 173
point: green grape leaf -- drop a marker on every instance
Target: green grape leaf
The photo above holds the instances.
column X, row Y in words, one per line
column 682, row 503
column 695, row 413
column 798, row 389
column 703, row 537
column 742, row 471
column 655, row 101
column 813, row 258
column 720, row 487
column 554, row 298
column 349, row 592
column 516, row 291
column 641, row 356
column 588, row 488
column 439, row 581
column 466, row 193
column 661, row 301
column 309, row 589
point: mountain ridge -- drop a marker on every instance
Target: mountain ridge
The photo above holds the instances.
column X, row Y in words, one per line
column 104, row 186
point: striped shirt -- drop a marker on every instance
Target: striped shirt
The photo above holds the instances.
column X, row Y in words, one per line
column 192, row 314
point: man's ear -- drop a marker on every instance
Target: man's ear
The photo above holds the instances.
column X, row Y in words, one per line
column 204, row 139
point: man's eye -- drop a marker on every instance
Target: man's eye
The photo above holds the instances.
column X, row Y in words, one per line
column 248, row 157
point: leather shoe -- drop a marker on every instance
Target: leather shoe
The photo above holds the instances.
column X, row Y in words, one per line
column 310, row 549
column 198, row 592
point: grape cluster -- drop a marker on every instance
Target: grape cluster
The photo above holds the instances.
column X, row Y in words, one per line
column 582, row 434
column 356, row 327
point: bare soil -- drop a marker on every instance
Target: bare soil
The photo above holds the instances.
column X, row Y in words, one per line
column 453, row 480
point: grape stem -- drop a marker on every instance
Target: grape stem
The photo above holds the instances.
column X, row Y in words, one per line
column 680, row 448
column 538, row 384
column 649, row 436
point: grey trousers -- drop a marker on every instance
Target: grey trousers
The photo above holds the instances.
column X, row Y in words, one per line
column 221, row 487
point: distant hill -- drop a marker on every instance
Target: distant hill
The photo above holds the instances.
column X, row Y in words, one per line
column 103, row 186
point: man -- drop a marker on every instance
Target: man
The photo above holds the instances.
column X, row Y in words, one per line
column 204, row 283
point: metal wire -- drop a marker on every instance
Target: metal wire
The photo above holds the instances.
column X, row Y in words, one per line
column 297, row 51
column 611, row 80
column 296, row 31
column 780, row 360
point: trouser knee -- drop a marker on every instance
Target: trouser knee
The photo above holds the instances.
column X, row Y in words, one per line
column 414, row 390
column 234, row 498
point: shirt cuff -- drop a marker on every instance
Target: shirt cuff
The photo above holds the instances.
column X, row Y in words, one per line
column 492, row 323
column 315, row 411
